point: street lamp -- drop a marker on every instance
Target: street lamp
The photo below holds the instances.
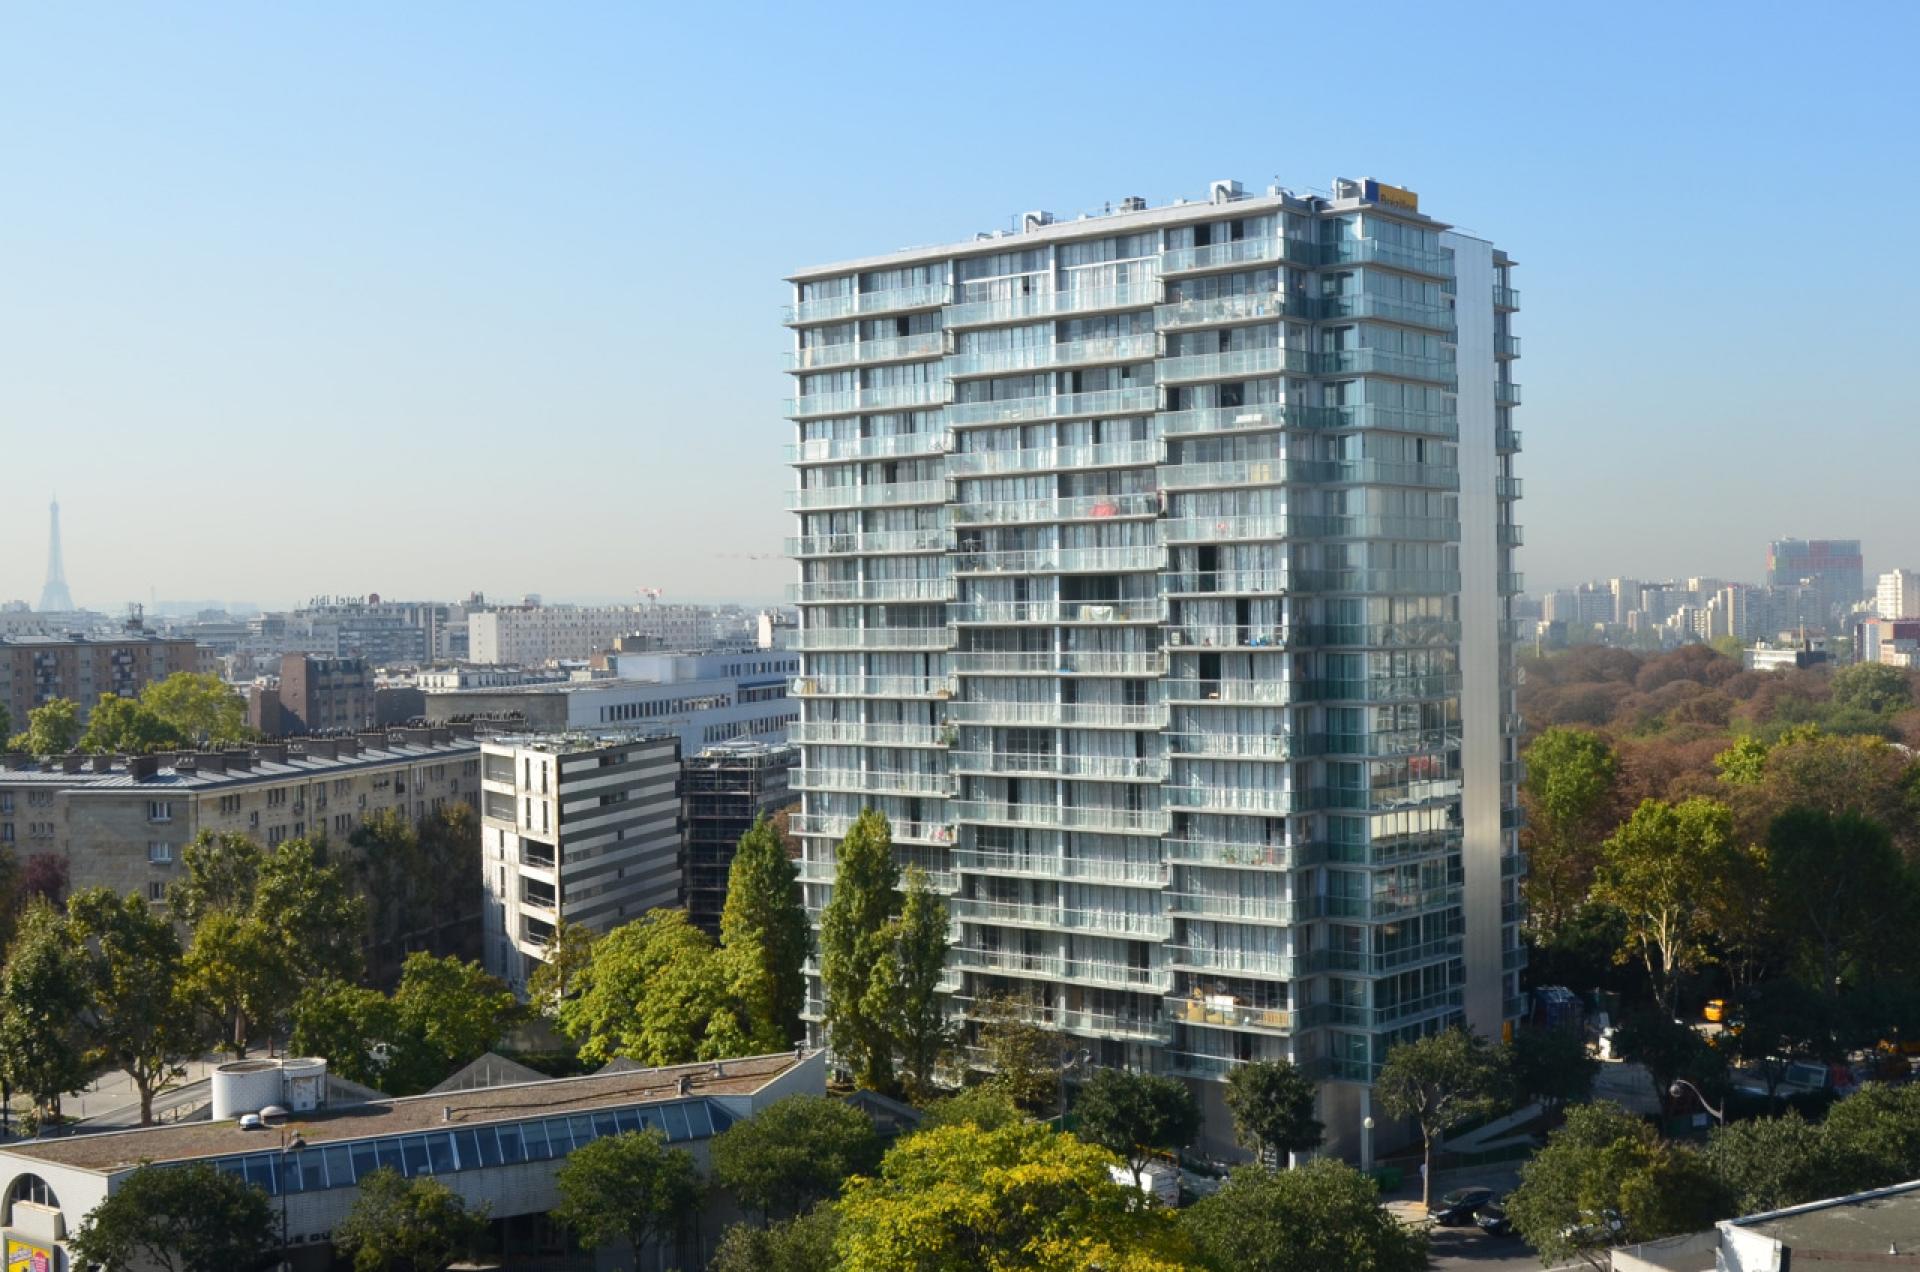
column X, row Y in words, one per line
column 1075, row 1062
column 1366, row 1145
column 1679, row 1084
column 287, row 1146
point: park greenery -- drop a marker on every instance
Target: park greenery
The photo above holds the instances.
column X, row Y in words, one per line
column 184, row 710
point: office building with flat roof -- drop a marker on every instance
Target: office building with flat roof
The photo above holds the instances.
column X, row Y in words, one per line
column 1155, row 579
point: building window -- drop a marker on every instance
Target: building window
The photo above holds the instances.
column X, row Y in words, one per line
column 159, row 853
column 159, row 810
column 157, row 893
column 31, row 1189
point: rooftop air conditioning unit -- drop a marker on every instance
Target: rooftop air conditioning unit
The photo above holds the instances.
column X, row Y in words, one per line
column 1226, row 191
column 1031, row 221
column 1133, row 203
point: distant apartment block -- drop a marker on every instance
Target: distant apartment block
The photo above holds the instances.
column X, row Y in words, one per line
column 34, row 672
column 1896, row 594
column 385, row 633
column 702, row 699
column 1830, row 568
column 313, row 695
column 123, row 822
column 533, row 634
column 574, row 828
column 724, row 789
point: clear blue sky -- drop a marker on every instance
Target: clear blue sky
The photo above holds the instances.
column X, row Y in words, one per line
column 419, row 298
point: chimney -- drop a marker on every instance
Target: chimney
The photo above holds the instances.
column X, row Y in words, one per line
column 210, row 762
column 239, row 761
column 441, row 735
column 416, row 737
column 270, row 752
column 73, row 762
column 346, row 748
column 15, row 761
column 142, row 767
column 686, row 1084
column 462, row 729
column 103, row 763
column 318, row 748
column 374, row 741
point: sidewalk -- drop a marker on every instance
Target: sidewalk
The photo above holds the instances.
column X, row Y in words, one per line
column 113, row 1092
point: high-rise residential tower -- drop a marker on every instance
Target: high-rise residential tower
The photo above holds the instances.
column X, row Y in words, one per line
column 1155, row 580
column 1831, row 568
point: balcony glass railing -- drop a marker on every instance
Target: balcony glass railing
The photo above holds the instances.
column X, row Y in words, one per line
column 1271, row 360
column 1226, row 582
column 1378, row 689
column 1144, row 874
column 1144, row 610
column 1410, row 313
column 1425, row 529
column 1076, row 508
column 1115, row 767
column 1102, row 402
column 1367, row 251
column 831, row 450
column 1507, row 392
column 1134, row 821
column 936, row 785
column 1232, row 746
column 1390, row 418
column 1224, row 529
column 899, row 492
column 827, row 308
column 1272, row 692
column 1506, row 346
column 1507, row 298
column 1041, row 304
column 1431, row 634
column 1221, row 1012
column 851, row 590
column 1064, row 663
column 1391, row 906
column 1218, row 852
column 1506, row 440
column 1233, row 419
column 1254, row 962
column 1274, row 801
column 872, row 686
column 1371, row 361
column 932, row 539
column 1229, row 472
column 1132, row 348
column 1095, row 715
column 1380, row 472
column 1244, row 251
column 1226, row 636
column 1119, row 922
column 1244, row 307
column 823, row 732
column 1050, row 458
column 817, row 638
column 1056, row 968
column 1061, row 560
column 837, row 825
column 926, row 344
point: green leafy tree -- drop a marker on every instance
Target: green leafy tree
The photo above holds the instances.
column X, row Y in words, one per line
column 137, row 1018
column 1863, row 776
column 408, row 1225
column 1136, row 1115
column 52, row 729
column 987, row 1107
column 1322, row 1216
column 358, row 1030
column 568, row 953
column 907, row 981
column 240, row 975
column 793, row 1153
column 1770, row 1163
column 444, row 1014
column 43, row 991
column 629, row 1187
column 122, row 726
column 218, row 872
column 655, row 991
column 1272, row 1103
column 1021, row 1197
column 309, row 906
column 388, row 867
column 1840, row 892
column 182, row 1219
column 1670, row 1050
column 1551, row 1066
column 1874, row 1137
column 455, row 1007
column 199, row 706
column 1780, row 1022
column 1570, row 780
column 855, row 936
column 1440, row 1082
column 1874, row 688
column 763, row 931
column 804, row 1244
column 1022, row 1056
column 1606, row 1178
column 1744, row 763
column 1660, row 870
column 6, row 721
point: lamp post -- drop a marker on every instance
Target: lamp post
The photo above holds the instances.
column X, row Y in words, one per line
column 1074, row 1062
column 1366, row 1145
column 287, row 1146
column 1679, row 1084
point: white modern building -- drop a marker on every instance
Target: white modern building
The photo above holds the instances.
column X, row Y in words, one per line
column 1155, row 580
column 575, row 828
column 532, row 634
column 1897, row 594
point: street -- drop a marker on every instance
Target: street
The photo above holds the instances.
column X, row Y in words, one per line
column 1469, row 1248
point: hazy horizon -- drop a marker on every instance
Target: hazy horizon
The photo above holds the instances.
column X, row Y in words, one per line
column 436, row 299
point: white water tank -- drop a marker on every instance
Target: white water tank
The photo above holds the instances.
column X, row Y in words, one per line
column 245, row 1086
column 305, row 1083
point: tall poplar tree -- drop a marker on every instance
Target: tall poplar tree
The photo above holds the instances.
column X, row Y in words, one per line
column 763, row 934
column 855, row 935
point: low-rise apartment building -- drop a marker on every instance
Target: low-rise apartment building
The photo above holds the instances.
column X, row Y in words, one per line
column 123, row 821
column 579, row 828
column 35, row 672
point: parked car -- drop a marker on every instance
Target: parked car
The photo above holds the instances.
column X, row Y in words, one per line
column 1802, row 1077
column 1716, row 1011
column 1493, row 1220
column 1459, row 1206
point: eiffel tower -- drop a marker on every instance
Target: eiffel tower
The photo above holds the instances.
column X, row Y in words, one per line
column 54, row 597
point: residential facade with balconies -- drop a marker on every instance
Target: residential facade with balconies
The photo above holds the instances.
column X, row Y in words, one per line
column 1155, row 581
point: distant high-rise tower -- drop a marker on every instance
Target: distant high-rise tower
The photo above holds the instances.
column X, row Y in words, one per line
column 54, row 596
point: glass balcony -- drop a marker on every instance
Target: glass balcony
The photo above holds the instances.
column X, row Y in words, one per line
column 1374, row 472
column 1226, row 636
column 1132, row 348
column 1231, row 746
column 1080, row 508
column 1273, row 801
column 1269, row 692
column 836, row 826
column 1128, row 821
column 842, row 402
column 1247, row 251
column 872, row 686
column 1389, row 419
column 944, row 882
column 1386, row 961
column 1237, row 419
column 1220, row 1011
column 1506, row 487
column 1506, row 441
column 1054, row 968
column 888, row 397
column 1506, row 392
column 851, row 591
column 1043, row 304
column 1226, row 583
column 899, row 299
column 1141, row 874
column 1421, row 529
column 1389, row 907
column 935, row 785
column 1371, row 361
column 1511, row 583
column 1263, row 963
column 1378, row 689
column 1104, row 402
column 898, row 493
column 1367, row 251
column 1144, row 610
column 1385, row 743
column 929, row 638
column 839, row 449
column 1062, row 560
column 1506, row 299
column 1092, row 715
column 1116, row 922
column 1233, row 364
column 1224, row 529
column 826, row 732
column 1064, row 663
column 1429, row 634
column 1509, row 536
column 877, row 543
column 1211, row 852
column 1007, row 764
column 1506, row 346
column 1050, row 458
column 1220, row 310
column 1442, row 1003
column 1223, row 473
column 926, row 344
column 1410, row 313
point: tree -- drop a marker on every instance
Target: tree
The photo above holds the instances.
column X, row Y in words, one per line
column 122, row 726
column 793, row 1153
column 199, row 706
column 182, row 1218
column 1864, row 776
column 1022, row 1056
column 654, row 991
column 1570, row 776
column 1023, row 1196
column 455, row 1007
column 52, row 729
column 1780, row 1022
column 1606, row 1178
column 1551, row 1066
column 1839, row 890
column 358, row 1030
column 408, row 1225
column 855, row 934
column 1874, row 688
column 1324, row 1215
column 44, row 876
column 804, row 1244
column 1874, row 1137
column 568, row 953
column 763, row 930
column 1660, row 871
column 137, row 1017
column 43, row 990
column 1744, row 763
column 908, row 980
column 629, row 1187
column 218, row 872
column 1440, row 1081
column 444, row 1014
column 240, row 975
column 6, row 721
column 1272, row 1103
column 1770, row 1163
column 1670, row 1050
column 388, row 868
column 1136, row 1115
column 986, row 1106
